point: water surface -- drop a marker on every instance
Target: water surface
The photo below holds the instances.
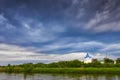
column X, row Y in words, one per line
column 4, row 76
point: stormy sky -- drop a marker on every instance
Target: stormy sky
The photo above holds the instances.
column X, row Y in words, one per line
column 54, row 30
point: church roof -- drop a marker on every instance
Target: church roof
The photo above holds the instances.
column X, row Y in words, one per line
column 87, row 56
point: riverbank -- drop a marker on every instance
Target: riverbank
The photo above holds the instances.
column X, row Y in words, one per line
column 78, row 70
column 63, row 70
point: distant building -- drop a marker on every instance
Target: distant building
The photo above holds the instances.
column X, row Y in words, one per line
column 102, row 61
column 87, row 58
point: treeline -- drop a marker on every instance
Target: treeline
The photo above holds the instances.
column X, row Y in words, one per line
column 30, row 67
column 76, row 64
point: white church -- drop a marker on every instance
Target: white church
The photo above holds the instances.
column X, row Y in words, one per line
column 87, row 58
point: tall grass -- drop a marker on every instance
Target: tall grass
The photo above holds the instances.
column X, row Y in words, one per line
column 66, row 70
column 78, row 70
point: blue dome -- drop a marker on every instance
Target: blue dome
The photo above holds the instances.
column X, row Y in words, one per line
column 87, row 56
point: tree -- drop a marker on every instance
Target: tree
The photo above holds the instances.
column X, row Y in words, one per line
column 108, row 61
column 28, row 67
column 9, row 68
column 95, row 61
column 118, row 61
column 42, row 65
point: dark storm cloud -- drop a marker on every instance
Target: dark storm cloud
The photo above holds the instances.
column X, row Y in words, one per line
column 78, row 17
column 78, row 14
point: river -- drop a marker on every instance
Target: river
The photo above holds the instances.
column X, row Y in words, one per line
column 5, row 76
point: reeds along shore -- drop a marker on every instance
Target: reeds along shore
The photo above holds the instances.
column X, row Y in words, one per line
column 65, row 70
column 67, row 67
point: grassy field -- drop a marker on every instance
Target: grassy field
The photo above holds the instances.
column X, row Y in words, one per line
column 64, row 70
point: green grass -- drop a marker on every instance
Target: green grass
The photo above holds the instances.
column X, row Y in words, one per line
column 65, row 70
column 78, row 70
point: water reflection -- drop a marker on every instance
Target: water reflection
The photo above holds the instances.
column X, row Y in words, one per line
column 4, row 76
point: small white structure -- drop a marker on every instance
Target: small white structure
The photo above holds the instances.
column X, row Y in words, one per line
column 87, row 59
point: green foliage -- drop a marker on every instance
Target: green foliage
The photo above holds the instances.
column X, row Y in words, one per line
column 118, row 61
column 95, row 63
column 108, row 61
column 42, row 65
column 65, row 64
column 73, row 66
column 27, row 68
column 9, row 68
column 78, row 70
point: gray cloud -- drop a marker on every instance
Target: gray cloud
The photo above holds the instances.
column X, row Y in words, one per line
column 13, row 53
column 5, row 24
column 112, row 48
column 20, row 54
column 96, row 17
